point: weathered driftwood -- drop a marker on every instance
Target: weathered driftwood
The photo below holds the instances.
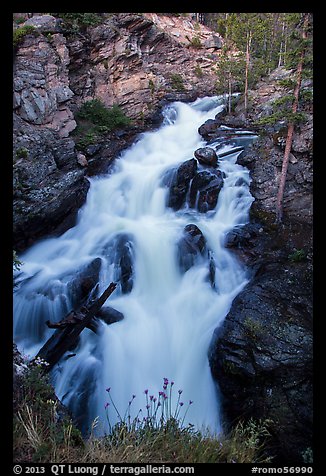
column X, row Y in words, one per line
column 68, row 329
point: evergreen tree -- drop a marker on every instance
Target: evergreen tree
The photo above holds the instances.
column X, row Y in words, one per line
column 299, row 54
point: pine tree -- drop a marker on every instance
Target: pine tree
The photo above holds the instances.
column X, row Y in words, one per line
column 290, row 131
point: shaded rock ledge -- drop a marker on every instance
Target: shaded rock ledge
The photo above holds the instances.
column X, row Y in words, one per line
column 261, row 355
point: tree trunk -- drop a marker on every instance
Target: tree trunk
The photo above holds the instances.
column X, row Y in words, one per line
column 281, row 45
column 247, row 70
column 230, row 90
column 66, row 335
column 289, row 137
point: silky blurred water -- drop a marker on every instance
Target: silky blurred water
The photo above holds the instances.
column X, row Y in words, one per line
column 169, row 316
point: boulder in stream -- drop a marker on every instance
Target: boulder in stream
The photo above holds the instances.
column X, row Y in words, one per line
column 206, row 156
column 179, row 185
column 204, row 190
column 192, row 248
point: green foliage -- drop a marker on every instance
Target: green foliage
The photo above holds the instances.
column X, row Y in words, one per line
column 37, row 430
column 176, row 81
column 307, row 456
column 75, row 22
column 306, row 96
column 151, row 86
column 253, row 328
column 20, row 33
column 287, row 83
column 19, row 20
column 297, row 256
column 95, row 120
column 286, row 101
column 276, row 40
column 17, row 263
column 195, row 42
column 198, row 71
column 286, row 116
column 22, row 153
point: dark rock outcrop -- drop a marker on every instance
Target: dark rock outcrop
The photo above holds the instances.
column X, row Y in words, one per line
column 123, row 262
column 192, row 249
column 261, row 355
column 109, row 315
column 204, row 190
column 191, row 246
column 84, row 282
column 129, row 60
column 179, row 184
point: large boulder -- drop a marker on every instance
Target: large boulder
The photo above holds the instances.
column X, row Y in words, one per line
column 215, row 42
column 84, row 281
column 179, row 184
column 204, row 190
column 206, row 156
column 123, row 262
column 192, row 249
column 44, row 23
column 191, row 246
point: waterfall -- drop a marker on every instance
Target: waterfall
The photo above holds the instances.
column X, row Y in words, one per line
column 169, row 314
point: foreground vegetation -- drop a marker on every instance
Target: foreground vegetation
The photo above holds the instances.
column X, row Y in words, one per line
column 44, row 432
column 95, row 120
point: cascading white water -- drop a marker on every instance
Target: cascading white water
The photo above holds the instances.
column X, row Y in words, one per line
column 169, row 316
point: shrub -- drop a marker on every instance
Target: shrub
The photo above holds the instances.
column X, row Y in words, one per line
column 287, row 83
column 282, row 115
column 22, row 153
column 38, row 432
column 253, row 328
column 97, row 113
column 95, row 120
column 297, row 256
column 17, row 263
column 75, row 22
column 198, row 71
column 195, row 42
column 20, row 33
column 177, row 82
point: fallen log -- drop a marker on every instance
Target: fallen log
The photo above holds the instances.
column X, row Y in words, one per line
column 68, row 329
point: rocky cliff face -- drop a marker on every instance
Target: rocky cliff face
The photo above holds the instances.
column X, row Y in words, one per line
column 131, row 60
column 261, row 356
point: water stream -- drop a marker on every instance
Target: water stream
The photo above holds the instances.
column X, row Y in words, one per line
column 169, row 314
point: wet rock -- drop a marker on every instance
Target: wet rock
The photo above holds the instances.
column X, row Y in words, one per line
column 206, row 156
column 180, row 183
column 123, row 262
column 204, row 190
column 84, row 282
column 242, row 236
column 191, row 246
column 262, row 357
column 93, row 149
column 109, row 315
column 207, row 129
column 192, row 249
